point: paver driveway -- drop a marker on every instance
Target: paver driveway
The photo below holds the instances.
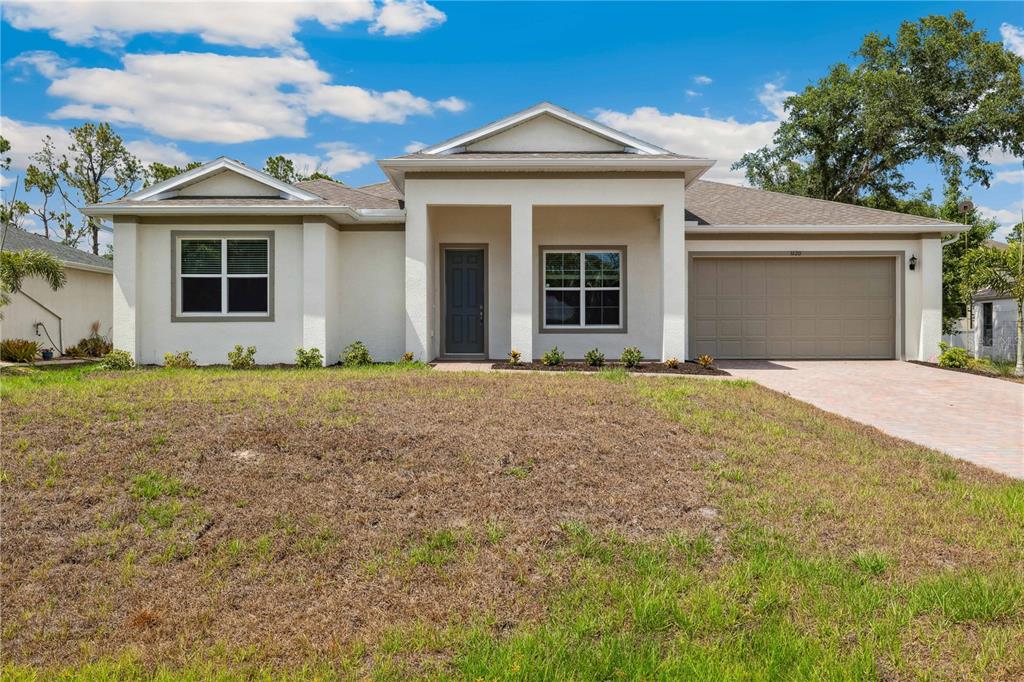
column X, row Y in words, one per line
column 974, row 418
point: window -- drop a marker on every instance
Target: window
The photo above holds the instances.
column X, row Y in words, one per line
column 986, row 324
column 583, row 289
column 224, row 277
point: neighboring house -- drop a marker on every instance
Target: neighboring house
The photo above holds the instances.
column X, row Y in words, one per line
column 991, row 330
column 542, row 229
column 59, row 319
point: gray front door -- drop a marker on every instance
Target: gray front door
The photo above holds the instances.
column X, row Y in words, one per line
column 464, row 301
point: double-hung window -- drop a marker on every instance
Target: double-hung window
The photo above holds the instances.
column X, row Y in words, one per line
column 583, row 289
column 223, row 277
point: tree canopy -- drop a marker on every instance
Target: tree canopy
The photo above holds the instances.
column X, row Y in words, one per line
column 939, row 92
column 284, row 170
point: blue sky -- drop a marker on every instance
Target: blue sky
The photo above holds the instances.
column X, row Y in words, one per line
column 338, row 85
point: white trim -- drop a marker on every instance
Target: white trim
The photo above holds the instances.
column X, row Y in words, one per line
column 167, row 188
column 370, row 215
column 544, row 108
column 945, row 228
column 74, row 265
column 582, row 289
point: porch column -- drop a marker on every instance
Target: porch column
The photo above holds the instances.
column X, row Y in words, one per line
column 521, row 267
column 673, row 280
column 314, row 285
column 930, row 265
column 125, row 305
column 417, row 279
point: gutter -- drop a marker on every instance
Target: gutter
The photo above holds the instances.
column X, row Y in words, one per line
column 824, row 229
column 370, row 215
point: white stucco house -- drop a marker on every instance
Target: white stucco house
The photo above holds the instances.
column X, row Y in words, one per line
column 542, row 229
column 990, row 331
column 58, row 319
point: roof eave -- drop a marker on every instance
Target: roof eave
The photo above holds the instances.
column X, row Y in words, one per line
column 346, row 214
column 943, row 228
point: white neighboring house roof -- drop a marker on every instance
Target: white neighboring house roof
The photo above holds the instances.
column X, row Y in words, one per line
column 169, row 188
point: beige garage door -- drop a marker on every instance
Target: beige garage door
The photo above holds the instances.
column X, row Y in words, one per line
column 792, row 308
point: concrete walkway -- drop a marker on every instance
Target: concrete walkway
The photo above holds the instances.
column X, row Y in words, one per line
column 975, row 418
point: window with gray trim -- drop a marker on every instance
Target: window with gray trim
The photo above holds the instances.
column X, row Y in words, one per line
column 223, row 276
column 582, row 289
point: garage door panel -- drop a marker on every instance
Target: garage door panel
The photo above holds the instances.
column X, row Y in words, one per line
column 793, row 307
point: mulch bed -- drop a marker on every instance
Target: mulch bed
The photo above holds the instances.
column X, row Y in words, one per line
column 642, row 368
column 967, row 370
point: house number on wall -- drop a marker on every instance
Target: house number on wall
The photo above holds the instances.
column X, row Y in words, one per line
column 796, row 253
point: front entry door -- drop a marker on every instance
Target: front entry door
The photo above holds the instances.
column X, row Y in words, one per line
column 464, row 301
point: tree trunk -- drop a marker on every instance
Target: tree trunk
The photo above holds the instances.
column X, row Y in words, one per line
column 94, row 226
column 1019, row 369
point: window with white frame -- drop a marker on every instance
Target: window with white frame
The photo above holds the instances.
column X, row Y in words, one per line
column 224, row 276
column 583, row 289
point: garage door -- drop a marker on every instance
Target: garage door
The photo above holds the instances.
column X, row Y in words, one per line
column 793, row 307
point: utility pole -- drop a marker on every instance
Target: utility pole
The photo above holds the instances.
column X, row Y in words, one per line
column 966, row 207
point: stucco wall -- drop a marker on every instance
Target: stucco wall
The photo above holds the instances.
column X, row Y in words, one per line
column 366, row 300
column 918, row 319
column 210, row 342
column 86, row 298
column 228, row 184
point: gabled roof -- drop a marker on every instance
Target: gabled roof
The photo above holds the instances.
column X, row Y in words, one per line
column 169, row 188
column 544, row 109
column 17, row 239
column 716, row 204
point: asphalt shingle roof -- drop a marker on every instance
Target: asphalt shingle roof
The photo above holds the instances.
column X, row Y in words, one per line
column 17, row 239
column 340, row 193
column 498, row 156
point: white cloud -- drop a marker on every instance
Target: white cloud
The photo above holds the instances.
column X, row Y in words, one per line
column 725, row 140
column 773, row 97
column 47, row 63
column 27, row 139
column 338, row 157
column 255, row 25
column 401, row 17
column 1013, row 38
column 208, row 97
column 1006, row 217
column 1011, row 177
column 148, row 151
column 692, row 93
column 702, row 80
column 414, row 147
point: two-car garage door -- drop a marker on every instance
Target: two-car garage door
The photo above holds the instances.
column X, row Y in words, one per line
column 793, row 307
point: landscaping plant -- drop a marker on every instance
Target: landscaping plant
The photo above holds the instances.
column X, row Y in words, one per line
column 408, row 358
column 181, row 360
column 594, row 358
column 705, row 361
column 672, row 363
column 118, row 359
column 514, row 357
column 309, row 359
column 356, row 354
column 242, row 358
column 18, row 350
column 950, row 356
column 552, row 358
column 631, row 356
column 93, row 346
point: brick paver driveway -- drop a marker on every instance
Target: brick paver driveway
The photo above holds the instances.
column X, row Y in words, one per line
column 974, row 418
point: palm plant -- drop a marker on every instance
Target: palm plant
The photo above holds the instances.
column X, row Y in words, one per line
column 1002, row 271
column 16, row 266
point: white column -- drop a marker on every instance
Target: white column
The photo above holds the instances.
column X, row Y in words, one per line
column 417, row 279
column 126, row 286
column 521, row 266
column 929, row 262
column 314, row 285
column 673, row 280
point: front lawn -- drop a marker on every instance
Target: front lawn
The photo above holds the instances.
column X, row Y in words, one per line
column 393, row 523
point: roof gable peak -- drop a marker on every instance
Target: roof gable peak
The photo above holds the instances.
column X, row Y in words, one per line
column 174, row 186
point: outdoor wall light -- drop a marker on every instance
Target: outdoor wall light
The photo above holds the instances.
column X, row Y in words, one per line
column 913, row 262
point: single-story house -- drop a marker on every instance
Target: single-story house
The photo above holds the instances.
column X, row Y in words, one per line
column 990, row 331
column 58, row 319
column 542, row 229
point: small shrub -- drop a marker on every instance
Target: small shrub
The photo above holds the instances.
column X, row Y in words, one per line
column 356, row 354
column 242, row 358
column 309, row 359
column 93, row 346
column 552, row 358
column 514, row 357
column 982, row 365
column 18, row 350
column 672, row 363
column 705, row 361
column 181, row 360
column 631, row 356
column 594, row 358
column 118, row 359
column 408, row 358
column 953, row 357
